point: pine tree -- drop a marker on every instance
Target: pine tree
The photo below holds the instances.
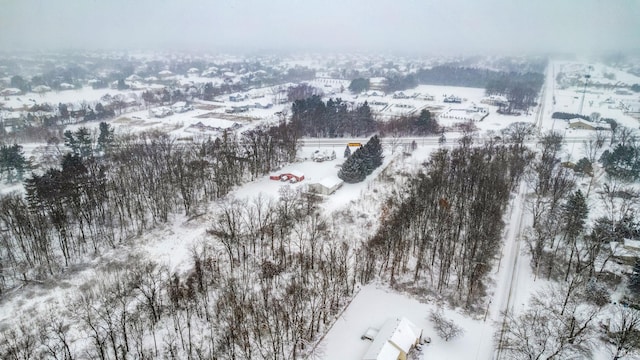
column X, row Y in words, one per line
column 347, row 152
column 105, row 139
column 634, row 279
column 372, row 154
column 352, row 169
column 574, row 214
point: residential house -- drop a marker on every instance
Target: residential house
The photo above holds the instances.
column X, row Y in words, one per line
column 394, row 340
column 626, row 251
column 180, row 107
column 578, row 123
column 452, row 99
column 495, row 100
column 10, row 92
column 326, row 186
column 160, row 112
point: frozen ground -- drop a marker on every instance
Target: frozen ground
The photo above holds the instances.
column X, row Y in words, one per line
column 376, row 303
column 172, row 244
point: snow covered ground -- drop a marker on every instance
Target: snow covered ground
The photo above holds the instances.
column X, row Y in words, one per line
column 513, row 281
column 375, row 303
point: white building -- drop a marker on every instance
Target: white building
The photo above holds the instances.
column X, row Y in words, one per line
column 582, row 124
column 394, row 340
column 326, row 186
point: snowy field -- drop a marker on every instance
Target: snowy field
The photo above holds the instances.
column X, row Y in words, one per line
column 376, row 303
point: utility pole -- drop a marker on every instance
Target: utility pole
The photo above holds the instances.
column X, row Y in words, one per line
column 586, row 80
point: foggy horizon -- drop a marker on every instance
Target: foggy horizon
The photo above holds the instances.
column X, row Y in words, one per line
column 457, row 27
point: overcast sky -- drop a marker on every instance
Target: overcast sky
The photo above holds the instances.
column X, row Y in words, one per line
column 421, row 26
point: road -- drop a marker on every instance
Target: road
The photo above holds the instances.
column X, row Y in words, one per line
column 508, row 271
column 425, row 140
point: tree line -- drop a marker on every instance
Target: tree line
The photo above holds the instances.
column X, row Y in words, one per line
column 573, row 252
column 266, row 282
column 521, row 89
column 313, row 117
column 410, row 125
column 443, row 234
column 92, row 203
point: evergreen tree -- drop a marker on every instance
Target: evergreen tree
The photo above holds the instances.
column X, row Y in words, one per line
column 359, row 85
column 574, row 214
column 352, row 170
column 122, row 85
column 79, row 142
column 347, row 152
column 442, row 139
column 583, row 166
column 70, row 141
column 13, row 162
column 83, row 137
column 622, row 163
column 105, row 138
column 372, row 155
column 634, row 279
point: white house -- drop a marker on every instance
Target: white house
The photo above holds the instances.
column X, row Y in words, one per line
column 325, row 186
column 394, row 340
column 578, row 123
column 160, row 112
column 10, row 91
column 180, row 107
column 626, row 251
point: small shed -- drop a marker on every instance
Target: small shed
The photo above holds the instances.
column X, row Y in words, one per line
column 326, row 186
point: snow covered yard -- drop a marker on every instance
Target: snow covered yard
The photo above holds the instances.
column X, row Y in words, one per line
column 376, row 303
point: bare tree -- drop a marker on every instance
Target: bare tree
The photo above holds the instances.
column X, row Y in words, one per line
column 557, row 325
column 446, row 328
column 624, row 332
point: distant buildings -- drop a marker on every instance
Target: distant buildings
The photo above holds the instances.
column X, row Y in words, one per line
column 452, row 99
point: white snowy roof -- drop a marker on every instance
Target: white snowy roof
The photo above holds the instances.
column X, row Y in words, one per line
column 330, row 181
column 620, row 251
column 396, row 335
column 405, row 334
column 383, row 351
column 11, row 91
column 296, row 173
column 632, row 244
column 590, row 123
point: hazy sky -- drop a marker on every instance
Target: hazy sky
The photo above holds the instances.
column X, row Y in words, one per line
column 423, row 26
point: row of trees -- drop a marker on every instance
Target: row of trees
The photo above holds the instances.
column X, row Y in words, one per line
column 443, row 229
column 362, row 162
column 314, row 117
column 410, row 125
column 91, row 203
column 265, row 283
column 623, row 162
column 521, row 89
column 82, row 143
column 561, row 320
